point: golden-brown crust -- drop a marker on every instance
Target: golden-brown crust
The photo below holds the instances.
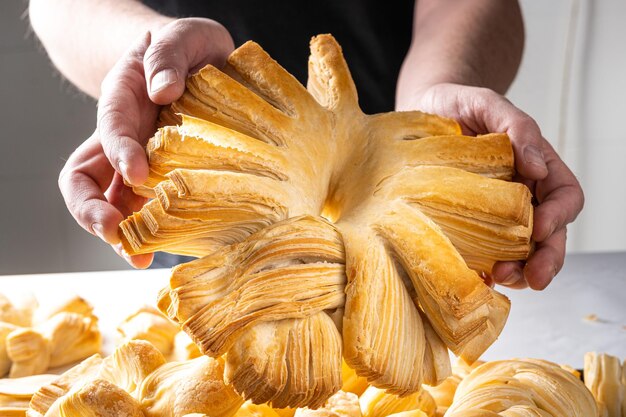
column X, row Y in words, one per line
column 378, row 403
column 526, row 387
column 422, row 210
column 604, row 379
column 136, row 381
column 288, row 362
column 48, row 394
column 196, row 386
column 149, row 324
column 99, row 398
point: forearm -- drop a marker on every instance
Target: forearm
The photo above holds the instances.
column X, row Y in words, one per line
column 84, row 38
column 470, row 42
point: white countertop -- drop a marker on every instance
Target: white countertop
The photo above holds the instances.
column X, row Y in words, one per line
column 549, row 325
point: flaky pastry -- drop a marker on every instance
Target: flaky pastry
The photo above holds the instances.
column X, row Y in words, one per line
column 378, row 403
column 443, row 393
column 184, row 348
column 524, row 388
column 18, row 312
column 340, row 404
column 138, row 381
column 249, row 409
column 604, row 378
column 415, row 210
column 55, row 337
column 351, row 382
column 16, row 393
column 148, row 323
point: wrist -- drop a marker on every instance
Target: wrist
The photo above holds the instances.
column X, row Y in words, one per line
column 420, row 96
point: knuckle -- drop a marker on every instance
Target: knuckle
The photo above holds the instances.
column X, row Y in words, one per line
column 62, row 179
column 580, row 194
column 84, row 215
column 526, row 123
column 162, row 53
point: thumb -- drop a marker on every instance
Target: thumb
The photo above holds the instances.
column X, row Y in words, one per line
column 178, row 48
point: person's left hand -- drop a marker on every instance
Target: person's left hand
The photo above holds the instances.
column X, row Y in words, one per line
column 554, row 186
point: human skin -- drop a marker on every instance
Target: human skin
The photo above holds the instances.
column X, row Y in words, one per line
column 463, row 57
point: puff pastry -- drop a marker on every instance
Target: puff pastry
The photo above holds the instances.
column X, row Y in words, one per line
column 248, row 409
column 137, row 381
column 414, row 211
column 148, row 323
column 184, row 348
column 351, row 382
column 15, row 394
column 17, row 312
column 340, row 404
column 60, row 336
column 605, row 379
column 443, row 393
column 378, row 403
column 521, row 387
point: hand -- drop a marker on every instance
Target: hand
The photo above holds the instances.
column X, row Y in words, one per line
column 554, row 186
column 152, row 73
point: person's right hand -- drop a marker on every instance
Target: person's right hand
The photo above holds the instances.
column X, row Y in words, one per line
column 151, row 74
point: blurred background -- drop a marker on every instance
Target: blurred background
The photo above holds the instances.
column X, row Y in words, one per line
column 571, row 81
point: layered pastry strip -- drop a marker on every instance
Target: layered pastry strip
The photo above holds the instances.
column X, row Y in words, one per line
column 149, row 324
column 605, row 376
column 64, row 334
column 16, row 393
column 421, row 209
column 137, row 381
column 197, row 211
column 523, row 387
column 378, row 403
column 443, row 393
column 198, row 144
column 264, row 303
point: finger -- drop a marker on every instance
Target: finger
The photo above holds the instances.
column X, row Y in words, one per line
column 181, row 46
column 126, row 115
column 136, row 261
column 561, row 199
column 82, row 182
column 487, row 279
column 123, row 197
column 546, row 261
column 509, row 274
column 500, row 115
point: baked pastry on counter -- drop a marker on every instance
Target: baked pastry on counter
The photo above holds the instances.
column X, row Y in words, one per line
column 443, row 394
column 605, row 376
column 16, row 393
column 148, row 323
column 521, row 387
column 413, row 211
column 137, row 381
column 378, row 403
column 66, row 334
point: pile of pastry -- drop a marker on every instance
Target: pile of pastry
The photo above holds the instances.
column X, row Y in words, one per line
column 34, row 339
column 156, row 370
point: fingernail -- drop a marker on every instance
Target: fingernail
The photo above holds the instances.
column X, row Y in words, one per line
column 511, row 279
column 163, row 79
column 98, row 230
column 533, row 155
column 126, row 256
column 124, row 170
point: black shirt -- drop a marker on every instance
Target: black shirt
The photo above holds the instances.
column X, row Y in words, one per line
column 375, row 35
